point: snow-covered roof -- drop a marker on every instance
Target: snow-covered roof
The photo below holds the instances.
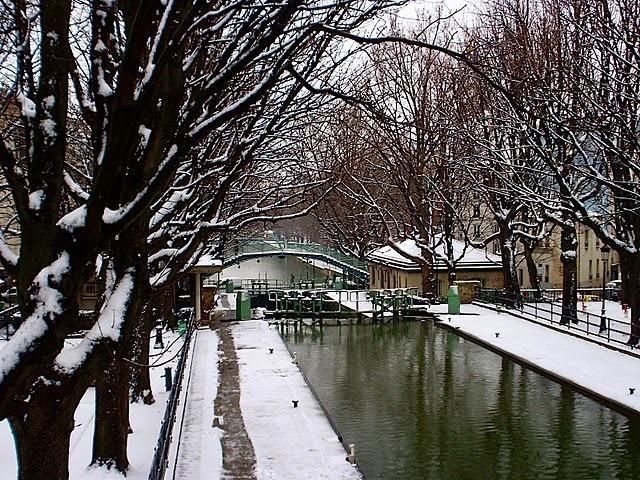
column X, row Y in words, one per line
column 207, row 264
column 471, row 258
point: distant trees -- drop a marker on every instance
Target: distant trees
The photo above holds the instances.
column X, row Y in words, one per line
column 548, row 128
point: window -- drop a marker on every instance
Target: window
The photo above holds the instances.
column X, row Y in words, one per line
column 597, row 242
column 496, row 248
column 546, row 273
column 476, row 211
column 476, row 231
column 597, row 268
column 590, row 269
column 520, row 275
column 586, row 240
column 91, row 288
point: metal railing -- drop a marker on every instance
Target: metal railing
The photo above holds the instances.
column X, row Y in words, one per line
column 161, row 451
column 252, row 246
column 613, row 330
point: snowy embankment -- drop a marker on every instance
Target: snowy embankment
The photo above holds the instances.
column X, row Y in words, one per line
column 196, row 452
column 145, row 422
column 290, row 443
column 603, row 372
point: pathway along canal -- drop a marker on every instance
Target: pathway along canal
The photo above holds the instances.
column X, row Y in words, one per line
column 420, row 402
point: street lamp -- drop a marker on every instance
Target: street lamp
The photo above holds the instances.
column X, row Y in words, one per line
column 604, row 252
column 539, row 275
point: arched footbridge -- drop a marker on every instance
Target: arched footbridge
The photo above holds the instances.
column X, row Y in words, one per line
column 256, row 247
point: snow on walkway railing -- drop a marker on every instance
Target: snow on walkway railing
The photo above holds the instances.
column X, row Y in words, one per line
column 161, row 452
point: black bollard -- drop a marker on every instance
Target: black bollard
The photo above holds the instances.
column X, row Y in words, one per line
column 158, row 343
column 271, row 351
column 295, row 403
column 631, row 391
column 167, row 379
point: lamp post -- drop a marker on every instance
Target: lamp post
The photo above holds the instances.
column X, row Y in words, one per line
column 604, row 251
column 539, row 275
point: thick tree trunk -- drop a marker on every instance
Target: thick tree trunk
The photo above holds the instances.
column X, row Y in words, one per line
column 630, row 271
column 42, row 445
column 508, row 253
column 129, row 259
column 112, row 417
column 427, row 279
column 569, row 259
column 140, row 381
column 42, row 432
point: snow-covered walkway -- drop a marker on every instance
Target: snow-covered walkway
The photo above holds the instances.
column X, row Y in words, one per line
column 197, row 449
column 603, row 372
column 290, row 443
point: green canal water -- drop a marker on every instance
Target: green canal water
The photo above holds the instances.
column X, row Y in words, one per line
column 420, row 402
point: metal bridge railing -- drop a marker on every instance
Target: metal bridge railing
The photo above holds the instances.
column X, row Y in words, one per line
column 252, row 246
column 161, row 451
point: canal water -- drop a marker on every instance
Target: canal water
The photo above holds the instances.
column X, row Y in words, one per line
column 420, row 402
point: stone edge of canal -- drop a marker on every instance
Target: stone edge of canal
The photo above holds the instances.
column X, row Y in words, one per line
column 350, row 454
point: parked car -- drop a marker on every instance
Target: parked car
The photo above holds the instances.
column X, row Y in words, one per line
column 614, row 291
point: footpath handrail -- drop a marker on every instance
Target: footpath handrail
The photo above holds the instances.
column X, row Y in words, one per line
column 161, row 451
column 537, row 307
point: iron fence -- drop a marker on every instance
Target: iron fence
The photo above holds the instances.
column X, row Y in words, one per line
column 161, row 451
column 540, row 307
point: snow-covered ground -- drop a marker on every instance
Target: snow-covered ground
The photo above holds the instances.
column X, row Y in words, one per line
column 145, row 421
column 196, row 451
column 290, row 443
column 600, row 370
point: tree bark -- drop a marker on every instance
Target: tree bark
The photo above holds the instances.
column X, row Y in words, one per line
column 140, row 382
column 507, row 251
column 532, row 268
column 569, row 259
column 427, row 279
column 112, row 416
column 630, row 272
column 42, row 430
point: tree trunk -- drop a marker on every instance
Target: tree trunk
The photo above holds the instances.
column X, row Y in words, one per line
column 112, row 417
column 532, row 268
column 427, row 279
column 630, row 272
column 507, row 251
column 140, row 382
column 569, row 259
column 42, row 432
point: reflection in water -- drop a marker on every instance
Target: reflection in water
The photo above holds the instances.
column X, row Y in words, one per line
column 420, row 402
